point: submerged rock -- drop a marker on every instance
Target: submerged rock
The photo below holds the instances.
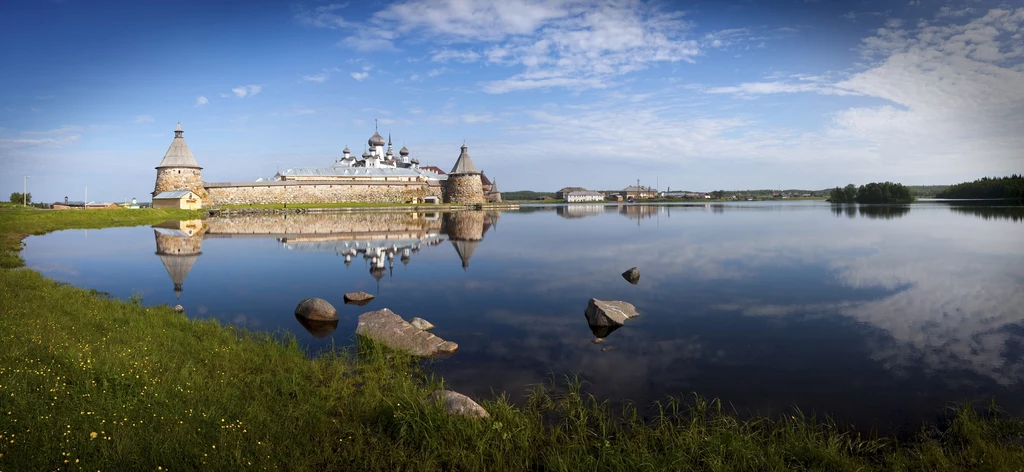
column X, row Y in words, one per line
column 358, row 298
column 601, row 332
column 597, row 340
column 458, row 404
column 316, row 309
column 608, row 313
column 421, row 324
column 390, row 329
column 632, row 275
column 319, row 329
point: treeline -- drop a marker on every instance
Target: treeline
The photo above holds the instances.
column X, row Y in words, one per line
column 1011, row 187
column 875, row 192
column 525, row 195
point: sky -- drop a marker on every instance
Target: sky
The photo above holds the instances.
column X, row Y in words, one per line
column 546, row 94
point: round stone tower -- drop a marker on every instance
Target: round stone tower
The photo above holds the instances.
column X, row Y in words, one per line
column 464, row 184
column 179, row 170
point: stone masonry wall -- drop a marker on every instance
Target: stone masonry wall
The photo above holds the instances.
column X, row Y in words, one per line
column 322, row 224
column 464, row 188
column 319, row 193
column 179, row 178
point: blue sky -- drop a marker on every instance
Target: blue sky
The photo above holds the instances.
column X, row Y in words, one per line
column 691, row 95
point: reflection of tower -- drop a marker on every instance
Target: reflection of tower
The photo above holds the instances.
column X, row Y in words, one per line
column 465, row 229
column 179, row 244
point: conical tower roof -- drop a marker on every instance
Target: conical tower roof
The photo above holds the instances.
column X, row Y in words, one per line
column 464, row 165
column 178, row 268
column 178, row 155
column 465, row 250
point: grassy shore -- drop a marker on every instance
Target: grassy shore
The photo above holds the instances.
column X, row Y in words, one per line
column 92, row 383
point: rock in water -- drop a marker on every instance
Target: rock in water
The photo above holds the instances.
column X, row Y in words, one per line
column 632, row 275
column 358, row 298
column 421, row 324
column 316, row 309
column 179, row 308
column 609, row 313
column 458, row 404
column 390, row 329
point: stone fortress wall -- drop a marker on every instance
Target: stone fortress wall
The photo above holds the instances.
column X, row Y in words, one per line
column 322, row 224
column 301, row 192
column 464, row 188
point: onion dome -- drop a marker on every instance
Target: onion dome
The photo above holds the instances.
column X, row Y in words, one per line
column 366, row 155
column 346, row 151
column 376, row 139
column 404, row 151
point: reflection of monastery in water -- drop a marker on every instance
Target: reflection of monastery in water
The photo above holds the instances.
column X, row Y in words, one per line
column 379, row 238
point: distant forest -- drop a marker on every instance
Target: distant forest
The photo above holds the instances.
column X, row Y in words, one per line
column 525, row 195
column 875, row 192
column 1011, row 187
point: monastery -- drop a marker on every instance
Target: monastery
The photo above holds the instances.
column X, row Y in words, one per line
column 378, row 176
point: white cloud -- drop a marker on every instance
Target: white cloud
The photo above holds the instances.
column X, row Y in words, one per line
column 949, row 12
column 324, row 16
column 477, row 118
column 45, row 97
column 750, row 89
column 243, row 91
column 360, row 75
column 201, row 100
column 318, row 78
column 446, row 55
column 437, row 72
column 560, row 43
column 143, row 119
column 57, row 138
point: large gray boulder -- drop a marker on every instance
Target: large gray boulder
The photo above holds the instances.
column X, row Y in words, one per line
column 358, row 298
column 632, row 275
column 388, row 328
column 316, row 309
column 608, row 313
column 458, row 404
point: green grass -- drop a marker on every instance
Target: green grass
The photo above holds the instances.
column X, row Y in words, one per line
column 17, row 222
column 162, row 391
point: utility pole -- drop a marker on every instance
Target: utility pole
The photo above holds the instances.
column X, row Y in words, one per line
column 24, row 192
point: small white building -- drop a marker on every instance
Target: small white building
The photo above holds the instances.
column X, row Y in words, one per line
column 584, row 196
column 182, row 199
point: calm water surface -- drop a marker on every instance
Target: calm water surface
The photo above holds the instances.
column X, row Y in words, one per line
column 877, row 316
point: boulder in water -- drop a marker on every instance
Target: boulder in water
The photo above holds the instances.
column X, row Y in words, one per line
column 632, row 275
column 388, row 328
column 316, row 309
column 608, row 313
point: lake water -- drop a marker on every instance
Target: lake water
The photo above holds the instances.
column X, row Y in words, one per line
column 879, row 316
